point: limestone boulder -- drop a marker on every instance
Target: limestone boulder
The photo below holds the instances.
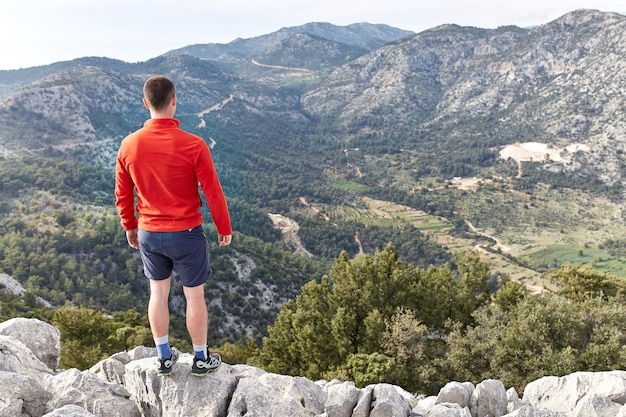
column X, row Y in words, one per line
column 273, row 394
column 527, row 411
column 562, row 394
column 489, row 399
column 17, row 358
column 180, row 394
column 43, row 339
column 87, row 390
column 70, row 410
column 449, row 410
column 342, row 398
column 387, row 401
column 592, row 405
column 22, row 395
column 455, row 392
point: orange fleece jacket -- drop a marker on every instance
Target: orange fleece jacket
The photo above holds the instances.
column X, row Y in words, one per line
column 163, row 165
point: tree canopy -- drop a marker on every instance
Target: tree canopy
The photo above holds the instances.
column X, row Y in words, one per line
column 375, row 318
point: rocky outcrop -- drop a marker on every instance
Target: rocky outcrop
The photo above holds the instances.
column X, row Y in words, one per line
column 126, row 385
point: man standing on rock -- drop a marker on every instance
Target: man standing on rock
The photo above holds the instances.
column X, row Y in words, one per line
column 162, row 165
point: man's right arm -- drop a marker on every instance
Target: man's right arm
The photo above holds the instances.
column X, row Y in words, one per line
column 125, row 197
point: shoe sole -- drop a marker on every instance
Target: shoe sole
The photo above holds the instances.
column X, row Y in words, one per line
column 210, row 371
column 159, row 373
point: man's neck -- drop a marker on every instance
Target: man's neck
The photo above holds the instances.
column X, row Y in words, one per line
column 162, row 115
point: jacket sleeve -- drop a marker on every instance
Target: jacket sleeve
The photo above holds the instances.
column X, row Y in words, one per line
column 212, row 189
column 125, row 196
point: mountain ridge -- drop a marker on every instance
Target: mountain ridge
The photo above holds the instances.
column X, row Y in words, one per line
column 375, row 144
column 365, row 35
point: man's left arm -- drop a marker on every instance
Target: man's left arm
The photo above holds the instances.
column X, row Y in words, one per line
column 214, row 194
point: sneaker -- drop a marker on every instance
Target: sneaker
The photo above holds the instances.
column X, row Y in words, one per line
column 202, row 367
column 166, row 365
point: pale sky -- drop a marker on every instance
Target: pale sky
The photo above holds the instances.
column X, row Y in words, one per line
column 40, row 32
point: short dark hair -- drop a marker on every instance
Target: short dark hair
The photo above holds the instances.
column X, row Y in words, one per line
column 158, row 91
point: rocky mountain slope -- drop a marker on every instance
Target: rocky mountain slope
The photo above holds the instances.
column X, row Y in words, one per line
column 126, row 385
column 327, row 115
column 559, row 83
column 361, row 35
column 441, row 90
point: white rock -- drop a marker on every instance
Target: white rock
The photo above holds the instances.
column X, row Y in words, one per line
column 561, row 394
column 43, row 339
column 592, row 405
column 454, row 392
column 449, row 410
column 17, row 358
column 86, row 390
column 342, row 399
column 22, row 395
column 387, row 402
column 489, row 399
column 70, row 410
column 277, row 395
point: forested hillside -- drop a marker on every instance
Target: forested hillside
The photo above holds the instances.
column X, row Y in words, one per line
column 507, row 144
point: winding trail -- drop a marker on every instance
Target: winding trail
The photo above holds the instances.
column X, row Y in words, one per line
column 358, row 170
column 498, row 245
column 533, row 289
column 358, row 242
column 255, row 62
column 314, row 209
column 215, row 107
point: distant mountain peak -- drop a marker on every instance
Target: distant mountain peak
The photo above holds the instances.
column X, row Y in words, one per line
column 364, row 35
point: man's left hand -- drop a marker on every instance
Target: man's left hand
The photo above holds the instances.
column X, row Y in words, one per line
column 224, row 240
column 131, row 236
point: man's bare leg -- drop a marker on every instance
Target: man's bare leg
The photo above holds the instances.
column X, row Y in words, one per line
column 159, row 317
column 197, row 315
column 158, row 307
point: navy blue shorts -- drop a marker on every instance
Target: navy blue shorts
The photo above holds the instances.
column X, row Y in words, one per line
column 186, row 252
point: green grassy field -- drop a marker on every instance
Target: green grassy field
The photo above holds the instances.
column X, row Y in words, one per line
column 557, row 255
column 543, row 228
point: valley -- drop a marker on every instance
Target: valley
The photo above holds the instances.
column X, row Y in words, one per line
column 510, row 142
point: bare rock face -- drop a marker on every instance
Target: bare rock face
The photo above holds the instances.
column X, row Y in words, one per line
column 85, row 389
column 489, row 399
column 180, row 394
column 15, row 357
column 277, row 395
column 456, row 392
column 70, row 411
column 126, row 385
column 565, row 393
column 342, row 398
column 30, row 385
column 42, row 339
column 21, row 394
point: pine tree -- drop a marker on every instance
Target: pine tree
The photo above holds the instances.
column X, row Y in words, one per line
column 339, row 317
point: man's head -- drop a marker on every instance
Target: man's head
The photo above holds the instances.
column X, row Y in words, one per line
column 158, row 92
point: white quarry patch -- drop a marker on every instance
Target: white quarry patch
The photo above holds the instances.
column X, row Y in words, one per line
column 533, row 151
column 289, row 229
